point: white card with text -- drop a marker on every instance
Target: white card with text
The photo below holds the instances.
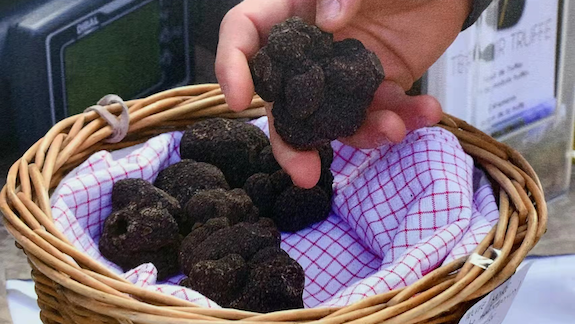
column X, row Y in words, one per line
column 493, row 308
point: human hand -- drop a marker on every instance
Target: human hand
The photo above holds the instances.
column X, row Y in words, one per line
column 408, row 36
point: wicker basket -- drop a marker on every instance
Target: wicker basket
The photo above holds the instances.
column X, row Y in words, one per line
column 73, row 288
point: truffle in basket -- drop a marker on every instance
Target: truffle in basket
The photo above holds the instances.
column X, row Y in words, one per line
column 230, row 145
column 234, row 205
column 139, row 193
column 275, row 282
column 321, row 89
column 290, row 207
column 241, row 266
column 219, row 238
column 134, row 236
column 185, row 178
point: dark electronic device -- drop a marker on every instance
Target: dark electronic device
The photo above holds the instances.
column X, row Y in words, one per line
column 509, row 13
column 505, row 14
column 59, row 57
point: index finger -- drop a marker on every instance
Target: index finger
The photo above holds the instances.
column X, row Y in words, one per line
column 241, row 33
column 304, row 167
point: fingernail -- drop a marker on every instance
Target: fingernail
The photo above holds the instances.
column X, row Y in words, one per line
column 422, row 122
column 329, row 9
column 382, row 141
column 224, row 88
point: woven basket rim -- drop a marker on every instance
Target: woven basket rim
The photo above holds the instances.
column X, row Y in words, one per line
column 72, row 287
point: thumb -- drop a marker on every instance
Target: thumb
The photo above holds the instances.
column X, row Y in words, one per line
column 332, row 15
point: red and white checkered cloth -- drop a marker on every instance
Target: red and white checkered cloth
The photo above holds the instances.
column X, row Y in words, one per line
column 398, row 212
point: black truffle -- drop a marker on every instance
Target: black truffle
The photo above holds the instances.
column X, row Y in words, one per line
column 325, row 155
column 138, row 193
column 326, row 178
column 244, row 239
column 326, row 182
column 304, row 93
column 275, row 282
column 294, row 212
column 234, row 204
column 321, row 89
column 184, row 179
column 260, row 189
column 295, row 41
column 269, row 78
column 296, row 208
column 353, row 70
column 230, row 145
column 280, row 181
column 267, row 162
column 202, row 231
column 264, row 190
column 220, row 280
column 270, row 281
column 135, row 236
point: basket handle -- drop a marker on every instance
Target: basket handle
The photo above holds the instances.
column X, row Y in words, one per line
column 119, row 126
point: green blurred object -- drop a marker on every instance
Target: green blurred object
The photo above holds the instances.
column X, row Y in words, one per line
column 120, row 58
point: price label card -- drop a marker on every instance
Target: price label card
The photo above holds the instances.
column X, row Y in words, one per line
column 493, row 308
column 499, row 74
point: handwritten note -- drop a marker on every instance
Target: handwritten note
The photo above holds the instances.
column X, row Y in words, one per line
column 493, row 308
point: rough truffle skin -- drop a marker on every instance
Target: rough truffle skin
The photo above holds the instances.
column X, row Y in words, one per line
column 234, row 204
column 265, row 189
column 138, row 193
column 269, row 76
column 220, row 280
column 267, row 162
column 184, row 179
column 165, row 260
column 326, row 178
column 202, row 231
column 260, row 189
column 290, row 207
column 304, row 92
column 326, row 155
column 321, row 89
column 230, row 145
column 280, row 181
column 297, row 208
column 244, row 239
column 134, row 236
column 275, row 282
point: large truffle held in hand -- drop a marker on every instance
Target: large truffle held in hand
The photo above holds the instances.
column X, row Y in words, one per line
column 321, row 89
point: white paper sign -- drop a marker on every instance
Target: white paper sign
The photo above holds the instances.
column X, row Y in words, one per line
column 493, row 308
column 501, row 79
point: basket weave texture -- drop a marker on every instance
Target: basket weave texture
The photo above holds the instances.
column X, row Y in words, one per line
column 73, row 288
